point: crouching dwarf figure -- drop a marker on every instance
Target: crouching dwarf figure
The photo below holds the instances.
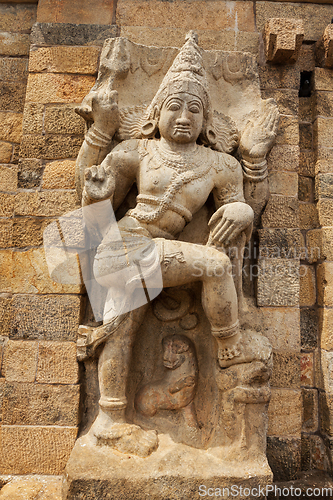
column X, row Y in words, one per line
column 175, row 169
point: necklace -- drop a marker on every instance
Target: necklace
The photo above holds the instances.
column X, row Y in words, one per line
column 180, row 162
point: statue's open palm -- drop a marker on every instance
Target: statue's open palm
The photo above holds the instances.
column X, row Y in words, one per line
column 259, row 133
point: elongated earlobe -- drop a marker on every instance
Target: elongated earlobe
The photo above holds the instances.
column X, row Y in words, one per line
column 149, row 129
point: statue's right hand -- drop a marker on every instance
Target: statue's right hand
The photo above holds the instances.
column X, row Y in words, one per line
column 99, row 182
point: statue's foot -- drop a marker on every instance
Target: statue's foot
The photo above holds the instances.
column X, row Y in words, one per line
column 129, row 439
column 244, row 347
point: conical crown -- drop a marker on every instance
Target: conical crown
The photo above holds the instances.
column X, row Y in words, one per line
column 186, row 74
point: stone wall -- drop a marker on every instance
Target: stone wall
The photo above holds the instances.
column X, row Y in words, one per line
column 40, row 136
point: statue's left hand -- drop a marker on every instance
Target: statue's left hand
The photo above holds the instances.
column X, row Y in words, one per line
column 259, row 134
column 230, row 221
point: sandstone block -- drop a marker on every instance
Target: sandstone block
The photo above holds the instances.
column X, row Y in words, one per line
column 314, row 16
column 323, row 103
column 324, row 161
column 278, row 282
column 6, row 231
column 281, row 211
column 326, row 411
column 36, row 449
column 283, row 157
column 276, row 77
column 6, row 266
column 325, row 284
column 2, row 383
column 50, row 147
column 283, row 183
column 28, row 232
column 326, row 328
column 309, row 328
column 8, row 176
column 326, row 371
column 20, row 361
column 17, row 17
column 6, row 204
column 65, row 11
column 31, row 274
column 310, row 410
column 283, row 39
column 319, row 244
column 307, row 369
column 33, row 117
column 190, row 15
column 281, row 325
column 45, row 204
column 12, row 96
column 288, row 132
column 29, row 173
column 284, row 457
column 306, row 58
column 307, row 164
column 324, row 48
column 28, row 487
column 319, row 453
column 40, row 404
column 306, row 105
column 11, row 126
column 325, row 212
column 64, row 59
column 71, row 34
column 323, row 79
column 59, row 175
column 57, row 363
column 6, row 151
column 14, row 68
column 305, row 189
column 286, row 370
column 285, row 413
column 45, row 317
column 305, row 136
column 14, row 44
column 324, row 186
column 307, row 293
column 5, row 315
column 54, row 87
column 281, row 243
column 63, row 120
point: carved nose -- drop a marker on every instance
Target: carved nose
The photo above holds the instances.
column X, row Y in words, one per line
column 183, row 119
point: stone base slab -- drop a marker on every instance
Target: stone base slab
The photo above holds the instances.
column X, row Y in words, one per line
column 173, row 472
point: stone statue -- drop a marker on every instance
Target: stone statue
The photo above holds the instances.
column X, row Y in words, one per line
column 175, row 152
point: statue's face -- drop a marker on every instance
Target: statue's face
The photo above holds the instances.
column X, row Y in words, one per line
column 181, row 118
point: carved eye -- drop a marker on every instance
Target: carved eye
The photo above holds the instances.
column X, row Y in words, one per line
column 174, row 106
column 194, row 108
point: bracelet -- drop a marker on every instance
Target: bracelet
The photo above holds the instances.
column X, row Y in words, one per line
column 255, row 172
column 96, row 138
column 255, row 166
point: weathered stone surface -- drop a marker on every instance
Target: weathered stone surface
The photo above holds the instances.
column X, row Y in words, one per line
column 17, row 17
column 50, row 147
column 275, row 77
column 325, row 381
column 326, row 328
column 315, row 17
column 59, row 175
column 82, row 60
column 11, row 126
column 323, row 165
column 12, row 96
column 13, row 68
column 281, row 325
column 6, row 263
column 6, row 232
column 281, row 243
column 305, row 189
column 8, row 175
column 28, row 232
column 278, row 282
column 305, row 136
column 306, row 58
column 192, row 15
column 288, row 132
column 325, row 212
column 29, row 173
column 6, row 204
column 325, row 284
column 310, row 410
column 20, row 361
column 306, row 109
column 287, row 100
column 286, row 370
column 284, row 158
column 323, row 79
column 326, row 409
column 319, row 453
column 324, row 186
column 71, row 34
column 65, row 11
column 30, row 274
column 324, row 103
column 281, row 211
column 45, row 204
column 33, row 117
column 319, row 244
column 40, row 404
column 284, row 457
column 63, row 120
column 307, row 164
column 307, row 369
column 45, row 317
column 36, row 449
column 284, row 413
column 14, row 44
column 5, row 314
column 6, row 151
column 57, row 363
column 283, row 183
column 283, row 39
column 307, row 282
column 309, row 328
column 54, row 87
column 2, row 383
column 27, row 487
